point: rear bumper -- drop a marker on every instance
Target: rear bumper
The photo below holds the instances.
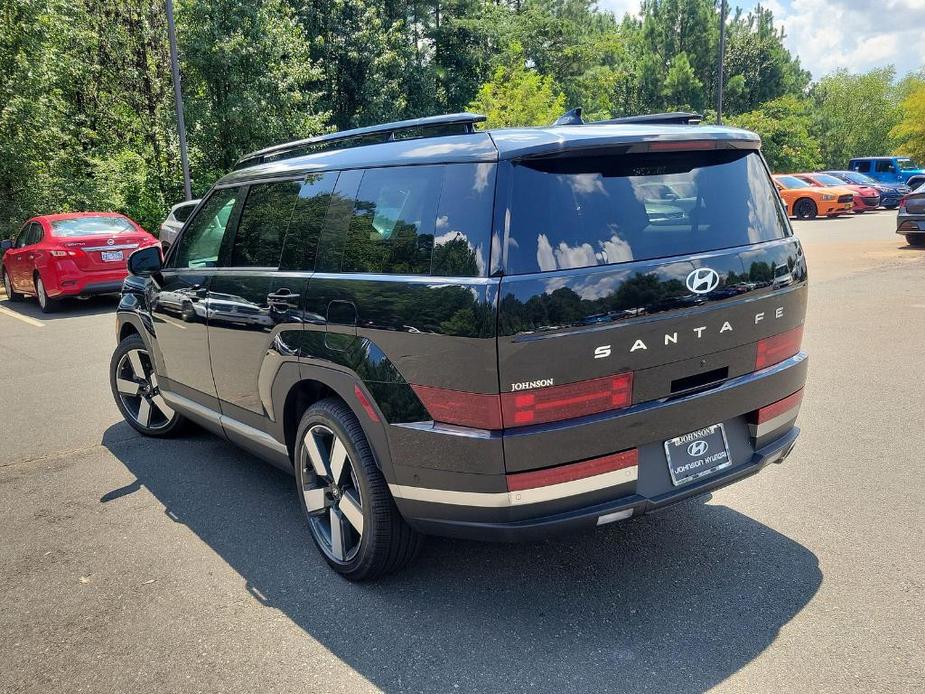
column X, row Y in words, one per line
column 89, row 284
column 589, row 517
column 463, row 503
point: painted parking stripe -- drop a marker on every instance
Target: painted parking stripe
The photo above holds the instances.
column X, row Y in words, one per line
column 24, row 319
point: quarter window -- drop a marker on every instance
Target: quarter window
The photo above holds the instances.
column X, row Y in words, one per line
column 258, row 241
column 463, row 227
column 201, row 242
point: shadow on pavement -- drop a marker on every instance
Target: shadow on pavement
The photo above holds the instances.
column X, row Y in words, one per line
column 674, row 602
column 68, row 308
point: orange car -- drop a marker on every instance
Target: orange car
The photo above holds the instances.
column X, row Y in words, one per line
column 805, row 201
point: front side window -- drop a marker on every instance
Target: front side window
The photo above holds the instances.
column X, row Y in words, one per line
column 258, row 241
column 884, row 166
column 201, row 242
column 907, row 165
column 582, row 211
column 392, row 228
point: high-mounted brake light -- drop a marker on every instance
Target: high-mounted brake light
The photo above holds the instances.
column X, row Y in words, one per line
column 773, row 350
column 523, row 408
column 681, row 145
column 555, row 403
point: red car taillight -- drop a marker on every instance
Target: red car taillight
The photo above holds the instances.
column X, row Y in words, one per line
column 538, row 406
column 567, row 401
column 773, row 350
column 902, row 205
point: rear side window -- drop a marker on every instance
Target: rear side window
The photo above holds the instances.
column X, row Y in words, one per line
column 862, row 166
column 574, row 212
column 258, row 241
column 182, row 213
column 392, row 228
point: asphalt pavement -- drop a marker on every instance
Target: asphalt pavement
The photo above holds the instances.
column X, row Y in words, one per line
column 129, row 564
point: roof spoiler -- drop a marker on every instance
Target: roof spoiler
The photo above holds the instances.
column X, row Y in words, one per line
column 431, row 126
column 573, row 117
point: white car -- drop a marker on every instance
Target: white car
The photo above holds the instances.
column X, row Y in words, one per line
column 171, row 226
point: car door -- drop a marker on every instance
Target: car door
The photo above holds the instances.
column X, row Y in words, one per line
column 255, row 297
column 886, row 170
column 22, row 261
column 177, row 299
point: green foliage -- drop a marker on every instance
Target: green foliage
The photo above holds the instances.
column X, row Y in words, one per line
column 518, row 96
column 784, row 126
column 854, row 114
column 909, row 132
column 681, row 88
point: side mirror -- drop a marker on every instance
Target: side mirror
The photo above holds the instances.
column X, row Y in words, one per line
column 145, row 261
column 5, row 245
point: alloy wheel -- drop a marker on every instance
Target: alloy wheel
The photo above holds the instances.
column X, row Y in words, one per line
column 40, row 292
column 138, row 390
column 7, row 287
column 331, row 493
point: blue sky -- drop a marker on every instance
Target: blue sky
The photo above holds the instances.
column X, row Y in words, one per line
column 831, row 34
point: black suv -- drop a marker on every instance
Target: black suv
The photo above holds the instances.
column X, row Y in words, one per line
column 488, row 334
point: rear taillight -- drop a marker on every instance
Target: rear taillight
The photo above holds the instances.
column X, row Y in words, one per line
column 555, row 403
column 458, row 407
column 538, row 406
column 521, row 481
column 773, row 350
column 902, row 205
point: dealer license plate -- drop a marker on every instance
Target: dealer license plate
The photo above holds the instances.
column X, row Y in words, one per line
column 697, row 454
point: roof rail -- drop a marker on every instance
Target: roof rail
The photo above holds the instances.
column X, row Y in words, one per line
column 672, row 118
column 431, row 126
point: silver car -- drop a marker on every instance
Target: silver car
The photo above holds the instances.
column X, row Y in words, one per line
column 910, row 220
column 171, row 226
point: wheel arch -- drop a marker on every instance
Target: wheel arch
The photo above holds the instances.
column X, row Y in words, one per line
column 318, row 383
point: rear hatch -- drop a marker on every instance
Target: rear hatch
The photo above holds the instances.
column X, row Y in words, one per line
column 635, row 278
column 99, row 243
column 915, row 203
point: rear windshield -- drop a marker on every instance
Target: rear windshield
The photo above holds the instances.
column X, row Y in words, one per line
column 792, row 182
column 581, row 212
column 88, row 226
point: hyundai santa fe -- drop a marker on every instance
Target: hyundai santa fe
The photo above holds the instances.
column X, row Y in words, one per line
column 490, row 334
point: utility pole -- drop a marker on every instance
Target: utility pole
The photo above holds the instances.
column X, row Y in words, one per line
column 178, row 98
column 719, row 68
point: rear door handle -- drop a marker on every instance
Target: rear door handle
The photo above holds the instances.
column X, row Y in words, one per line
column 282, row 296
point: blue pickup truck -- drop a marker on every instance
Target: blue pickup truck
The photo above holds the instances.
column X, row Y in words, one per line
column 887, row 169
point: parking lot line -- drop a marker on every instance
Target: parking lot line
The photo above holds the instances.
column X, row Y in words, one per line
column 24, row 319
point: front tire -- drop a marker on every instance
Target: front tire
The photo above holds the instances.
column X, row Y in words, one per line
column 135, row 388
column 917, row 240
column 350, row 512
column 805, row 208
column 8, row 288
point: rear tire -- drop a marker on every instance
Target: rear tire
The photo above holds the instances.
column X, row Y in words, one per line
column 804, row 208
column 350, row 512
column 135, row 388
column 917, row 240
column 8, row 288
column 46, row 303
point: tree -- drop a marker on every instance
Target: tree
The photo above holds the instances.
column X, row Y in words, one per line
column 854, row 114
column 784, row 126
column 909, row 133
column 682, row 89
column 516, row 95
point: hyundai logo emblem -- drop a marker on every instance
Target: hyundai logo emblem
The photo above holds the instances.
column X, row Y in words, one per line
column 109, row 242
column 703, row 280
column 698, row 448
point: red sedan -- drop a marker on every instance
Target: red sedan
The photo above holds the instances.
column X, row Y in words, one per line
column 865, row 197
column 78, row 254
